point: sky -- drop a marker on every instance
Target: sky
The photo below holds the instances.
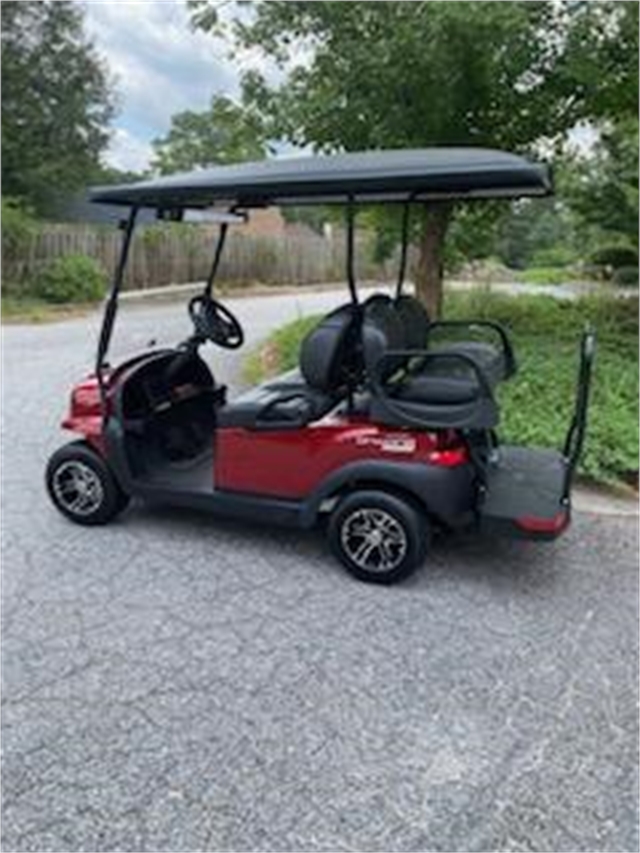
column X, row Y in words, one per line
column 161, row 66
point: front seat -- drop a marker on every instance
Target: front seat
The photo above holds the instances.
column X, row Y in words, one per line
column 326, row 362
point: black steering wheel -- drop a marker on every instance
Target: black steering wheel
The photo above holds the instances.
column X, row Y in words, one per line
column 213, row 322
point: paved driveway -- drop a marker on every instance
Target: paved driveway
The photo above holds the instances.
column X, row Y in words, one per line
column 176, row 682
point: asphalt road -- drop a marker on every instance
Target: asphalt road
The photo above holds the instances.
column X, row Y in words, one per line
column 176, row 682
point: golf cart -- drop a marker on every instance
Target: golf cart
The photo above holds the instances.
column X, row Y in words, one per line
column 386, row 429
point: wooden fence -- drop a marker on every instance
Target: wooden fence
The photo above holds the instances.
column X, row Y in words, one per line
column 175, row 254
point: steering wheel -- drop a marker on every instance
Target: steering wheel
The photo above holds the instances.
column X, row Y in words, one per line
column 213, row 322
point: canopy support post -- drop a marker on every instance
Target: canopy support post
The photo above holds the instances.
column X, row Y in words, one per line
column 224, row 226
column 404, row 244
column 351, row 276
column 111, row 307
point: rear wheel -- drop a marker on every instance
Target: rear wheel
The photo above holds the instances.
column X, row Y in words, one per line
column 378, row 537
column 82, row 486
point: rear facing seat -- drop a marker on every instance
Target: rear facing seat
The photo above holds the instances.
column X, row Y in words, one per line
column 449, row 390
column 496, row 363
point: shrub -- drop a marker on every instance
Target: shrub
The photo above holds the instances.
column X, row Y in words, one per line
column 18, row 226
column 626, row 276
column 615, row 257
column 71, row 278
column 544, row 275
column 557, row 256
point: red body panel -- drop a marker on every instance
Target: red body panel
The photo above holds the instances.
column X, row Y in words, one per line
column 85, row 412
column 285, row 463
column 291, row 463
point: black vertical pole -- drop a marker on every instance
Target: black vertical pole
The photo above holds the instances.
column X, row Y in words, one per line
column 111, row 306
column 216, row 258
column 351, row 275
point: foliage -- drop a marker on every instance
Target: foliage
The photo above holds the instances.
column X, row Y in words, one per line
column 544, row 275
column 392, row 75
column 27, row 309
column 56, row 100
column 533, row 231
column 601, row 58
column 71, row 278
column 603, row 187
column 536, row 405
column 18, row 226
column 626, row 276
column 225, row 133
column 615, row 257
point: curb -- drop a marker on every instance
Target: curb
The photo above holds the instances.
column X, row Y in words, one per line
column 594, row 501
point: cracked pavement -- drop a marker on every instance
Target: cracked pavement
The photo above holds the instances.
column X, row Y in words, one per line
column 179, row 682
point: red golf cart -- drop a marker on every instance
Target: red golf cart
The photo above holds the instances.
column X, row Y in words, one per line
column 386, row 429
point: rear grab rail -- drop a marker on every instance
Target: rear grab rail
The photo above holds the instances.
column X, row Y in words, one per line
column 574, row 441
column 379, row 389
column 500, row 331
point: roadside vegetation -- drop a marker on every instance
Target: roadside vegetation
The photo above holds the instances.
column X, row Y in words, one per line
column 536, row 406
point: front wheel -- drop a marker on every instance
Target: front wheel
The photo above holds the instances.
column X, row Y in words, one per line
column 378, row 537
column 82, row 487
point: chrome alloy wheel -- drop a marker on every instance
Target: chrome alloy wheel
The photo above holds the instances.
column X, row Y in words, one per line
column 77, row 488
column 373, row 539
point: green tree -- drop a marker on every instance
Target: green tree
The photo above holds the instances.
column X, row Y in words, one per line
column 225, row 133
column 602, row 188
column 392, row 75
column 56, row 101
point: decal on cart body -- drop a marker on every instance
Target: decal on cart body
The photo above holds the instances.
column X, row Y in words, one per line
column 389, row 443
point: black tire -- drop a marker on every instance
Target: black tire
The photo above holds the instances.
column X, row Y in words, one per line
column 351, row 532
column 97, row 497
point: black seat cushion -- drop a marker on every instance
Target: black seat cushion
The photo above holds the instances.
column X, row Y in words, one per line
column 264, row 407
column 488, row 358
column 444, row 390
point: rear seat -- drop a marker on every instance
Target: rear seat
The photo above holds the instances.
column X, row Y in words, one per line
column 450, row 390
column 496, row 363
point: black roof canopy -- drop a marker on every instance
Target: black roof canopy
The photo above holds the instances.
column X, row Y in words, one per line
column 369, row 176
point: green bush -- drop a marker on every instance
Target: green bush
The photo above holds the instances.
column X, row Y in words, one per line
column 615, row 257
column 544, row 275
column 71, row 278
column 558, row 256
column 18, row 226
column 626, row 276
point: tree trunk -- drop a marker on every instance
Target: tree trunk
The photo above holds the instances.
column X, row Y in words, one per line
column 428, row 278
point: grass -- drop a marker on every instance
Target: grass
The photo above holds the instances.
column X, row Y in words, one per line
column 31, row 310
column 544, row 275
column 536, row 405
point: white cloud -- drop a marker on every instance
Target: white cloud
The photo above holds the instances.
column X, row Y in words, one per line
column 127, row 152
column 160, row 64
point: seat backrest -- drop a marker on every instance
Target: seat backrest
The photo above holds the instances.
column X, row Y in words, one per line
column 329, row 353
column 381, row 331
column 415, row 321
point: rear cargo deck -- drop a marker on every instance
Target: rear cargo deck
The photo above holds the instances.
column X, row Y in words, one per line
column 525, row 493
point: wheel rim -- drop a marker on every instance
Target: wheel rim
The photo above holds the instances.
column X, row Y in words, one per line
column 374, row 540
column 77, row 487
